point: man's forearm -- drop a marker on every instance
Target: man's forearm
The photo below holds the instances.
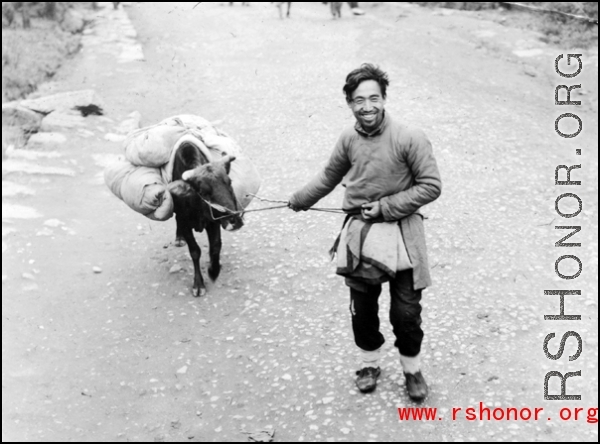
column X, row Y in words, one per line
column 405, row 203
column 319, row 187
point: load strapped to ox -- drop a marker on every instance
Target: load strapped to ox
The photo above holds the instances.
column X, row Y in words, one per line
column 141, row 179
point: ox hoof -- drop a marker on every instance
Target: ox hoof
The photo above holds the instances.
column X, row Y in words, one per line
column 213, row 273
column 198, row 292
column 180, row 242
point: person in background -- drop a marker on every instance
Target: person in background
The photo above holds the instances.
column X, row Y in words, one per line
column 280, row 8
column 355, row 9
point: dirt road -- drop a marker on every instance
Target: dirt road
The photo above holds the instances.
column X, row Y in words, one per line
column 122, row 352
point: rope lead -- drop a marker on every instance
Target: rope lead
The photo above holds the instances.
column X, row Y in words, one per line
column 284, row 204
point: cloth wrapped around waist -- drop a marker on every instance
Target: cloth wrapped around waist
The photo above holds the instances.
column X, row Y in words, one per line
column 370, row 252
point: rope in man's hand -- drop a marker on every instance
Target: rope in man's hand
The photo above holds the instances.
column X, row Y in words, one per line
column 292, row 207
column 283, row 204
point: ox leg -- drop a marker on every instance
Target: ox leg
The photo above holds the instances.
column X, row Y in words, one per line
column 179, row 238
column 213, row 230
column 199, row 289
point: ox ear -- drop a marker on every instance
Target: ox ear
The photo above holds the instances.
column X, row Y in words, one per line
column 227, row 159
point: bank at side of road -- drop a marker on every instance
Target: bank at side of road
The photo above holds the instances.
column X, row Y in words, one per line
column 32, row 56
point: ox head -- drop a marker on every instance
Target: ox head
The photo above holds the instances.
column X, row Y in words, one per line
column 212, row 182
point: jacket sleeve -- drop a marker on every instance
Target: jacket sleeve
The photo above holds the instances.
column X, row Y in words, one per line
column 324, row 183
column 427, row 184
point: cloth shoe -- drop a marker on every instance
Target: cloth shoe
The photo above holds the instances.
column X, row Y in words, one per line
column 416, row 386
column 367, row 379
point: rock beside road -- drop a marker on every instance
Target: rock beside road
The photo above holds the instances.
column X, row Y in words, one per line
column 46, row 116
column 16, row 115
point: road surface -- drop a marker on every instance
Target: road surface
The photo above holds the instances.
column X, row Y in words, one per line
column 100, row 342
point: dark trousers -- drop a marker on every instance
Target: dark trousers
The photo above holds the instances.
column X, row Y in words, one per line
column 405, row 315
column 353, row 4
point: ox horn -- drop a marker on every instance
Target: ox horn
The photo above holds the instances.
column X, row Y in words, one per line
column 186, row 176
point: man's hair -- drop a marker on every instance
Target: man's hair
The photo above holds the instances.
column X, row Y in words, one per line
column 367, row 71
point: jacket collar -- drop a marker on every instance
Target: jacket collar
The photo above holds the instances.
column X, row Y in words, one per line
column 359, row 129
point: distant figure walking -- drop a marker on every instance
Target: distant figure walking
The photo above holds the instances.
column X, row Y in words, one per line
column 336, row 9
column 355, row 9
column 280, row 8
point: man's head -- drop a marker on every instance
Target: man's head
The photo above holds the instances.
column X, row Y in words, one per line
column 365, row 91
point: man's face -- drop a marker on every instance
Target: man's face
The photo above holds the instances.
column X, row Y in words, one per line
column 368, row 104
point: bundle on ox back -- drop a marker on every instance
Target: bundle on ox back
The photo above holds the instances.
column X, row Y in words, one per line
column 186, row 166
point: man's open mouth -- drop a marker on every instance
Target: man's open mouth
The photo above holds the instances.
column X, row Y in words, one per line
column 369, row 116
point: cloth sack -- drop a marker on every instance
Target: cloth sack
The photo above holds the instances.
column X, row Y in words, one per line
column 141, row 188
column 140, row 180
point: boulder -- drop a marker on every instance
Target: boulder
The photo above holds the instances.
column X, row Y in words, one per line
column 13, row 137
column 15, row 115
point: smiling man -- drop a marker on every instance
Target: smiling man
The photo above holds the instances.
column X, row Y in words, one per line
column 389, row 172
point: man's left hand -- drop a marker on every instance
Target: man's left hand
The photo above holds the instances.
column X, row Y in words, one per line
column 371, row 210
column 296, row 208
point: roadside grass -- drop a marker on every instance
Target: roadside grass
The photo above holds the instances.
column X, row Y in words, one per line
column 554, row 28
column 32, row 56
column 29, row 58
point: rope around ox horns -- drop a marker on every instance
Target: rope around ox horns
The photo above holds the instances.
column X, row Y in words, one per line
column 284, row 204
